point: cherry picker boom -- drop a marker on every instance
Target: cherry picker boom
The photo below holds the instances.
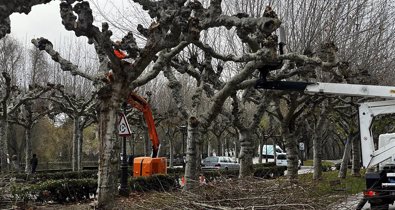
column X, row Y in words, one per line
column 380, row 185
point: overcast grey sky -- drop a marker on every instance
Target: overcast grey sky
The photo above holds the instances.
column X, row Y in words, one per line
column 43, row 21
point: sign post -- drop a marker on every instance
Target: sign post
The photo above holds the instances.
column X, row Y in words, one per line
column 124, row 131
column 301, row 148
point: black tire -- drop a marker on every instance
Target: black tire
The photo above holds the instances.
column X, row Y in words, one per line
column 379, row 206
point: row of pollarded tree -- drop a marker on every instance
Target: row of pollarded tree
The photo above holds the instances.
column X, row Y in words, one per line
column 220, row 48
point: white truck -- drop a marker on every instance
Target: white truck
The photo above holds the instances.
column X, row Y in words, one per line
column 267, row 150
column 380, row 181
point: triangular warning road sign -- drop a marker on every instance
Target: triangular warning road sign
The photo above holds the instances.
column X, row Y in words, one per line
column 123, row 127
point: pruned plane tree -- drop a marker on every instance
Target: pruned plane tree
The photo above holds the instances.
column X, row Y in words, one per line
column 176, row 25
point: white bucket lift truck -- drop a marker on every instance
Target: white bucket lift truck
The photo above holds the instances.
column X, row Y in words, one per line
column 380, row 185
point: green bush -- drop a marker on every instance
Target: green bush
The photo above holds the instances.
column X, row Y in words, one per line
column 61, row 191
column 264, row 165
column 213, row 175
column 158, row 182
column 92, row 174
column 270, row 172
column 175, row 171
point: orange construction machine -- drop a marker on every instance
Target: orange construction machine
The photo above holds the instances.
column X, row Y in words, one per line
column 147, row 166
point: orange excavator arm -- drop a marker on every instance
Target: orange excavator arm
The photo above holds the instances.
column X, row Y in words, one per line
column 142, row 105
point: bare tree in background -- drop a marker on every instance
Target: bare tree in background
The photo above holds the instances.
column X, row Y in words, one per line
column 245, row 134
column 83, row 113
column 27, row 116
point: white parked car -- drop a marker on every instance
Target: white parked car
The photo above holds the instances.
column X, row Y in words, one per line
column 282, row 160
column 220, row 162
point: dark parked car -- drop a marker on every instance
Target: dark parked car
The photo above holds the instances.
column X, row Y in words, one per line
column 220, row 162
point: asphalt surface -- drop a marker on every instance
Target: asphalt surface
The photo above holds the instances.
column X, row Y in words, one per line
column 351, row 202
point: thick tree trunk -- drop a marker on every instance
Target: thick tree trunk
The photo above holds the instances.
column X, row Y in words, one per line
column 28, row 150
column 109, row 149
column 246, row 153
column 3, row 144
column 191, row 169
column 317, row 156
column 318, row 146
column 344, row 163
column 356, row 157
column 209, row 149
column 199, row 144
column 75, row 148
column 237, row 150
column 219, row 146
column 171, row 153
column 80, row 145
column 292, row 153
column 227, row 149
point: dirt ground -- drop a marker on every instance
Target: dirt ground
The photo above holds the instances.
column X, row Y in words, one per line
column 249, row 193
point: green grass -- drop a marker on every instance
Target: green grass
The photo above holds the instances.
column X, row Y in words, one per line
column 324, row 163
column 350, row 185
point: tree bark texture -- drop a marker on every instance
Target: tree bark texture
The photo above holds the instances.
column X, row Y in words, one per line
column 76, row 163
column 4, row 143
column 246, row 153
column 75, row 147
column 345, row 159
column 109, row 145
column 318, row 145
column 28, row 150
column 317, row 156
column 356, row 157
column 219, row 146
column 291, row 147
column 80, row 145
column 171, row 152
column 191, row 169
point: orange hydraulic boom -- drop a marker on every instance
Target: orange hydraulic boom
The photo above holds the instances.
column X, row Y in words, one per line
column 146, row 166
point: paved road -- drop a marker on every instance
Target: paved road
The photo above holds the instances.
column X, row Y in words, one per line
column 304, row 170
column 351, row 202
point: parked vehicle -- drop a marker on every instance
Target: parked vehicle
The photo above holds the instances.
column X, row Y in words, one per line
column 282, row 160
column 268, row 151
column 220, row 162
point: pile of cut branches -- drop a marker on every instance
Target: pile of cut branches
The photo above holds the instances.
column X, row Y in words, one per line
column 249, row 193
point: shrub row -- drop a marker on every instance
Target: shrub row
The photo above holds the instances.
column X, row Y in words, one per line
column 158, row 182
column 270, row 172
column 58, row 175
column 79, row 186
column 264, row 165
column 61, row 190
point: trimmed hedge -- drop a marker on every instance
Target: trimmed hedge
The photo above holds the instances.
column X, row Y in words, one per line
column 177, row 171
column 61, row 191
column 158, row 182
column 74, row 186
column 92, row 174
column 270, row 172
column 264, row 165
